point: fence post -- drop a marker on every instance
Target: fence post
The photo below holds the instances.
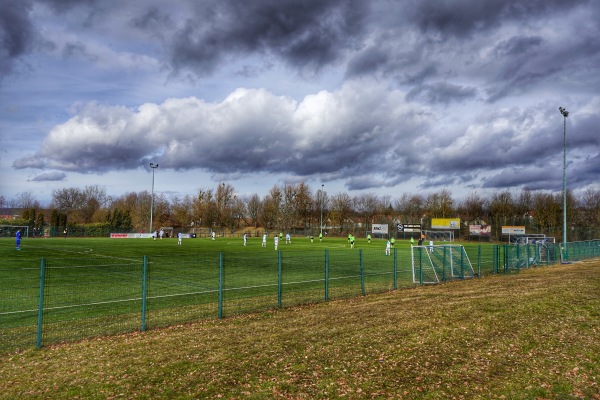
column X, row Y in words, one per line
column 443, row 265
column 326, row 274
column 279, row 280
column 395, row 268
column 40, row 320
column 420, row 266
column 462, row 263
column 362, row 272
column 144, row 291
column 220, row 284
column 479, row 261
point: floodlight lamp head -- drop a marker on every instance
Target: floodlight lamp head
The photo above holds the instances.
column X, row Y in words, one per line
column 564, row 112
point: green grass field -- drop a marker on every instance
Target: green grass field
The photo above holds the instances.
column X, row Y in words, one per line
column 96, row 287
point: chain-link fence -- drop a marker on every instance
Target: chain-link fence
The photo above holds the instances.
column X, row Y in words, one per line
column 66, row 299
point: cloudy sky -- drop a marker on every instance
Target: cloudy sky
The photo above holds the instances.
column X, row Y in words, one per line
column 377, row 96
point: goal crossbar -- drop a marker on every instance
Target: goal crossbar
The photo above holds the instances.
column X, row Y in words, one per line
column 439, row 236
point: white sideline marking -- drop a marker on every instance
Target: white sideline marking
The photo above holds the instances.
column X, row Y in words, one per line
column 171, row 295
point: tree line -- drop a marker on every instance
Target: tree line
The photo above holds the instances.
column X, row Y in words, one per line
column 298, row 208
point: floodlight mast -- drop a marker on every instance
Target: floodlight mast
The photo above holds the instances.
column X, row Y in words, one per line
column 153, row 166
column 565, row 114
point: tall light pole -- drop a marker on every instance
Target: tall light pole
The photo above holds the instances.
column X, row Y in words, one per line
column 322, row 186
column 565, row 114
column 153, row 166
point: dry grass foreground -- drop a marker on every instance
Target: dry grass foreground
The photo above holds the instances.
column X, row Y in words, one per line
column 535, row 335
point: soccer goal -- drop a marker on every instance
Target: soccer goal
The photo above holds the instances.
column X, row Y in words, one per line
column 167, row 231
column 531, row 250
column 439, row 236
column 534, row 238
column 11, row 230
column 439, row 263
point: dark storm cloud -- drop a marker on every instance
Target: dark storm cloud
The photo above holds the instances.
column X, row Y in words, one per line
column 374, row 93
column 530, row 178
column 367, row 61
column 153, row 19
column 441, row 92
column 518, row 46
column 463, row 18
column 64, row 5
column 365, row 182
column 305, row 34
column 16, row 33
column 496, row 46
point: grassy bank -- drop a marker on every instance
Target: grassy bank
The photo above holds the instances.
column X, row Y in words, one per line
column 526, row 336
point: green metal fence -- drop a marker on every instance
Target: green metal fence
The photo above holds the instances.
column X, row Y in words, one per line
column 71, row 299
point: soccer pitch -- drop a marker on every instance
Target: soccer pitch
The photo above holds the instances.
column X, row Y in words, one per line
column 107, row 286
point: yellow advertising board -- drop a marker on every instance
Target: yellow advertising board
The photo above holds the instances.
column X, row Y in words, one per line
column 445, row 223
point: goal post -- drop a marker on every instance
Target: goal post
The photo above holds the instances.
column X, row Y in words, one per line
column 167, row 231
column 439, row 263
column 439, row 236
column 531, row 250
column 11, row 230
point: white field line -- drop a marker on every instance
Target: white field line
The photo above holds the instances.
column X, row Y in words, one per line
column 86, row 250
column 171, row 295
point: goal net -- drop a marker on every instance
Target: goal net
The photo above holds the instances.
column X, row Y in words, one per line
column 439, row 236
column 439, row 263
column 167, row 231
column 530, row 251
column 534, row 238
column 11, row 230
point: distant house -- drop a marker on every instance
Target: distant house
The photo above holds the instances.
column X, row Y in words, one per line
column 10, row 214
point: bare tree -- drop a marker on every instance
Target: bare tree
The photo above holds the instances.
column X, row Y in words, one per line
column 367, row 205
column 182, row 211
column 502, row 210
column 288, row 207
column 524, row 205
column 411, row 207
column 162, row 210
column 440, row 204
column 25, row 200
column 473, row 208
column 239, row 211
column 67, row 199
column 224, row 196
column 271, row 208
column 341, row 209
column 137, row 205
column 590, row 204
column 253, row 206
column 205, row 208
column 304, row 204
column 547, row 211
column 94, row 198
